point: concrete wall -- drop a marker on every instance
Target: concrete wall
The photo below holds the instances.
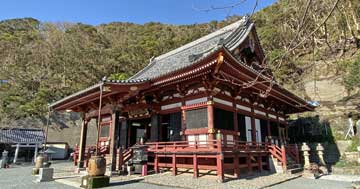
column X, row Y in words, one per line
column 71, row 134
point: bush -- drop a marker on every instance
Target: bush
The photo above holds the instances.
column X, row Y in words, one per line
column 354, row 144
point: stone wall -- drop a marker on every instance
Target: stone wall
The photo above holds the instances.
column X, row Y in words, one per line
column 332, row 152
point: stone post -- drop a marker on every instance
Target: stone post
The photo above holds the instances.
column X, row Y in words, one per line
column 4, row 159
column 320, row 151
column 16, row 153
column 305, row 148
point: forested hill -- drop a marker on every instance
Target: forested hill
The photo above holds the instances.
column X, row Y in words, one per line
column 43, row 62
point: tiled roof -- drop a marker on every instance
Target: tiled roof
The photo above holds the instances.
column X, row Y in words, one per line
column 184, row 56
column 25, row 136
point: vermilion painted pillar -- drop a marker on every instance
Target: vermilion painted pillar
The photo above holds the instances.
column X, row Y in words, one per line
column 174, row 169
column 196, row 167
column 286, row 132
column 156, row 164
column 220, row 166
column 283, row 155
column 236, row 166
column 210, row 111
column 253, row 127
column 259, row 160
column 268, row 127
column 114, row 134
column 183, row 124
column 249, row 164
column 82, row 143
column 236, row 126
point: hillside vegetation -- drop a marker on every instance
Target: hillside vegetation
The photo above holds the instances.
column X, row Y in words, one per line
column 44, row 62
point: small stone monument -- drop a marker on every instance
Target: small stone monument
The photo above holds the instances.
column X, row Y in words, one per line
column 45, row 175
column 4, row 159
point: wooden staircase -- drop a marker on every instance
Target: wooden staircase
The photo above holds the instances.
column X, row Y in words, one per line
column 285, row 159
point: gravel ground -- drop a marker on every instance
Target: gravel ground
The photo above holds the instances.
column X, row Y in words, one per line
column 185, row 180
column 305, row 183
column 20, row 177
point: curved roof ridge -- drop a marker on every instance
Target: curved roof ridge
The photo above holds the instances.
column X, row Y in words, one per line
column 229, row 28
column 220, row 31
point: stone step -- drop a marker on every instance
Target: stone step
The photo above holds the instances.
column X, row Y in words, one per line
column 294, row 170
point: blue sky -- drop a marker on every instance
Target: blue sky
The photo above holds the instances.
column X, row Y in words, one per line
column 137, row 11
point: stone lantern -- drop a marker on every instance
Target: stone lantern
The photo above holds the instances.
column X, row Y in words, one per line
column 320, row 151
column 305, row 148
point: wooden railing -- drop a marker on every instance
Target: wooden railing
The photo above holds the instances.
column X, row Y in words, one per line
column 206, row 146
column 278, row 153
column 185, row 146
column 245, row 146
column 89, row 150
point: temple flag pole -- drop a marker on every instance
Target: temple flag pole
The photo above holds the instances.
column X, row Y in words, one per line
column 99, row 117
column 47, row 128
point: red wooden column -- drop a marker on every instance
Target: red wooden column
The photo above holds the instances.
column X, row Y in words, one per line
column 220, row 161
column 183, row 124
column 156, row 164
column 84, row 126
column 268, row 126
column 236, row 166
column 236, row 126
column 196, row 167
column 210, row 111
column 174, row 169
column 286, row 132
column 259, row 161
column 253, row 127
column 114, row 133
column 283, row 156
column 249, row 164
column 220, row 166
column 279, row 130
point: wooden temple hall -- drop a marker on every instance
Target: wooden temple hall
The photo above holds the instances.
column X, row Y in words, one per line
column 207, row 105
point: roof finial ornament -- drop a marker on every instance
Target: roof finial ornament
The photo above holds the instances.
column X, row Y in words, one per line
column 104, row 79
column 152, row 59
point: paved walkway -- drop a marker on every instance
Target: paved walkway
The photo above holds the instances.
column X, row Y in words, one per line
column 305, row 183
column 19, row 177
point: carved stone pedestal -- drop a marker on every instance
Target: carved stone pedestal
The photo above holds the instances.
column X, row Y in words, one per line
column 45, row 175
column 90, row 182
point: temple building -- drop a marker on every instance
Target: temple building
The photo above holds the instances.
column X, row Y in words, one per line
column 211, row 104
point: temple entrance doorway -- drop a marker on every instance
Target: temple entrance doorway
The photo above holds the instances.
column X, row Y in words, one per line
column 170, row 127
column 139, row 128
